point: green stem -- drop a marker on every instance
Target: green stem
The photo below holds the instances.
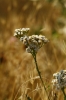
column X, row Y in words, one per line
column 64, row 93
column 34, row 56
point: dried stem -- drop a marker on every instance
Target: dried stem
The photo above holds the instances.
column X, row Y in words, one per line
column 39, row 73
column 64, row 93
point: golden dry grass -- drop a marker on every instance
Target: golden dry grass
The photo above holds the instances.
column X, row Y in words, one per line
column 18, row 75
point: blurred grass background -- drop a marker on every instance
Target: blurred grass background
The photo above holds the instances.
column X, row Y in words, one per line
column 46, row 17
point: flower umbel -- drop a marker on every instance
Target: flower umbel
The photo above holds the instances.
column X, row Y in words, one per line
column 21, row 32
column 60, row 79
column 34, row 42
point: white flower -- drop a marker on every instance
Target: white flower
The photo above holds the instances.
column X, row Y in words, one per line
column 59, row 80
column 25, row 29
column 21, row 32
column 34, row 42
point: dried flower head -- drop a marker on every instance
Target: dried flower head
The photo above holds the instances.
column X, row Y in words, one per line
column 59, row 80
column 34, row 42
column 21, row 32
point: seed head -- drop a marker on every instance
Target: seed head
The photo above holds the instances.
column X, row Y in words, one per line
column 59, row 80
column 34, row 42
column 21, row 32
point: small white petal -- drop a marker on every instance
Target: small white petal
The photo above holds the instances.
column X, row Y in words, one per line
column 15, row 34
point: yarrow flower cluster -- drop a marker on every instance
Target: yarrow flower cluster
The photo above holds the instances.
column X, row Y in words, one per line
column 59, row 80
column 21, row 32
column 33, row 43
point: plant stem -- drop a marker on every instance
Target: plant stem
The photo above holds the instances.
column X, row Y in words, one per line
column 39, row 73
column 64, row 93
